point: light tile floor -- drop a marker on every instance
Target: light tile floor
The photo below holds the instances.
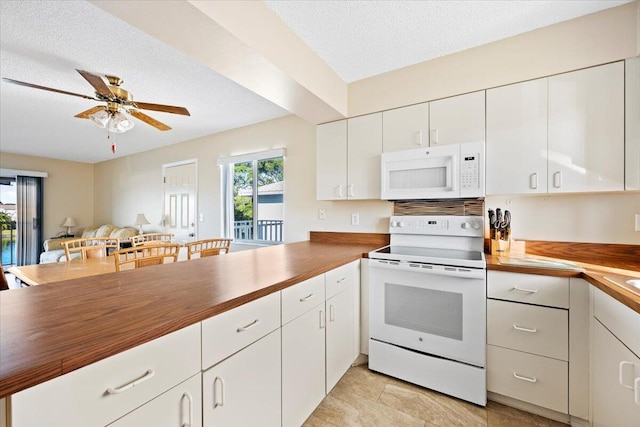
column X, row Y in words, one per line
column 366, row 398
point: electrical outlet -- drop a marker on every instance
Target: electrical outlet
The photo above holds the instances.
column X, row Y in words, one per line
column 355, row 219
column 637, row 222
column 322, row 214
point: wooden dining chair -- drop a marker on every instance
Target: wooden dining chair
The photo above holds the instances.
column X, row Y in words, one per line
column 146, row 255
column 92, row 247
column 207, row 247
column 4, row 284
column 151, row 239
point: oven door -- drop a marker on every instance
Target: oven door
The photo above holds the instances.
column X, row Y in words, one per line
column 424, row 173
column 433, row 309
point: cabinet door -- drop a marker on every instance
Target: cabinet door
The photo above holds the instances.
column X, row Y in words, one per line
column 586, row 130
column 632, row 123
column 244, row 390
column 331, row 161
column 517, row 138
column 340, row 330
column 615, row 372
column 405, row 128
column 364, row 149
column 457, row 119
column 303, row 366
column 179, row 407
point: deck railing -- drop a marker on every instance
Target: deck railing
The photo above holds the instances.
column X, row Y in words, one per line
column 267, row 229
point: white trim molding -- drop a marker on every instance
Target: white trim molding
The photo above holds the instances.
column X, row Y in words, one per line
column 11, row 173
column 249, row 157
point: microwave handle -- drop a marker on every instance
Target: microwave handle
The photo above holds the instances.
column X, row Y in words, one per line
column 454, row 172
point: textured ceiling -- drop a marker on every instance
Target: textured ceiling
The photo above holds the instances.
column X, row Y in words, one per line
column 43, row 42
column 360, row 39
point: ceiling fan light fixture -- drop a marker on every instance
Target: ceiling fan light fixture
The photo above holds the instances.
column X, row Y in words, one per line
column 120, row 123
column 100, row 118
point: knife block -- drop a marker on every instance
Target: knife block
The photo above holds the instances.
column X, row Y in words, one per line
column 500, row 247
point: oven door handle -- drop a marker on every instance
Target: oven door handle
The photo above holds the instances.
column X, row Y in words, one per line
column 439, row 270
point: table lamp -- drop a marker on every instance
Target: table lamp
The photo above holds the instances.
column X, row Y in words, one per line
column 68, row 222
column 141, row 220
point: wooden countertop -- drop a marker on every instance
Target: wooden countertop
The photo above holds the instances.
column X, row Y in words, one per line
column 594, row 274
column 55, row 328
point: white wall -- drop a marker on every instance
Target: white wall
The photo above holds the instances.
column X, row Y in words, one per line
column 126, row 186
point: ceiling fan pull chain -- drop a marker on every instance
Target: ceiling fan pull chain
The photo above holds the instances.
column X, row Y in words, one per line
column 113, row 143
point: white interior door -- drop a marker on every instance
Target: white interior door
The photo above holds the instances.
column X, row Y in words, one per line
column 180, row 201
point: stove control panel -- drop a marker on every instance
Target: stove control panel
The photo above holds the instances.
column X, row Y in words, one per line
column 470, row 226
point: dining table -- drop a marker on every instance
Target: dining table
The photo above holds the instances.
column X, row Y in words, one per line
column 38, row 274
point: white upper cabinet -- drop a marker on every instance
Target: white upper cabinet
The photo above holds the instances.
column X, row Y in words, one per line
column 348, row 159
column 405, row 128
column 517, row 138
column 363, row 160
column 331, row 161
column 586, row 130
column 632, row 123
column 457, row 119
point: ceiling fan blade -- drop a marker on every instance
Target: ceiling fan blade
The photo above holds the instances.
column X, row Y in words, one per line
column 90, row 111
column 159, row 107
column 96, row 81
column 149, row 120
column 19, row 83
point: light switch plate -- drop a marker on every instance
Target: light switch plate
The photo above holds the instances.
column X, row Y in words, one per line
column 355, row 219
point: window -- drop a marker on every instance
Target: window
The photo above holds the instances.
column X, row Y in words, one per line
column 253, row 196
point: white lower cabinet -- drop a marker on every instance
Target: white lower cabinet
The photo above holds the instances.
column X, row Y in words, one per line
column 179, row 407
column 303, row 366
column 245, row 389
column 340, row 329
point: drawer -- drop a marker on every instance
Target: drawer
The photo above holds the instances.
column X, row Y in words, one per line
column 530, row 288
column 84, row 398
column 300, row 298
column 621, row 320
column 534, row 379
column 226, row 333
column 539, row 330
column 339, row 279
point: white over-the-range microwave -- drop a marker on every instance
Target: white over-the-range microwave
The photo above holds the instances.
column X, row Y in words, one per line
column 443, row 172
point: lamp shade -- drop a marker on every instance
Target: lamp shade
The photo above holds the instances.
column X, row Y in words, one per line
column 141, row 220
column 69, row 222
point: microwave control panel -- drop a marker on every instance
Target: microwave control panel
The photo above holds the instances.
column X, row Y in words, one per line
column 469, row 174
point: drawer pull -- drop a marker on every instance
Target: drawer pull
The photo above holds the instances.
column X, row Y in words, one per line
column 523, row 329
column 523, row 378
column 341, row 280
column 147, row 376
column 636, row 394
column 621, row 374
column 249, row 326
column 307, row 298
column 217, row 404
column 528, row 291
column 186, row 398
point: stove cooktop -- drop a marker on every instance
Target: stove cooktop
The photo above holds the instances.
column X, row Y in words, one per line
column 454, row 257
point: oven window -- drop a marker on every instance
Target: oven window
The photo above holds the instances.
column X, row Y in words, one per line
column 435, row 177
column 423, row 310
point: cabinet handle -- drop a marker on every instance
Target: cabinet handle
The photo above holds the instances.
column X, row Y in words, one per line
column 322, row 320
column 351, row 191
column 186, row 397
column 147, row 376
column 419, row 138
column 636, row 394
column 621, row 374
column 340, row 194
column 533, row 181
column 307, row 298
column 332, row 313
column 528, row 291
column 557, row 179
column 249, row 326
column 523, row 378
column 217, row 404
column 434, row 136
column 520, row 328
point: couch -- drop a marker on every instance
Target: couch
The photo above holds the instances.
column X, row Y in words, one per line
column 54, row 251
